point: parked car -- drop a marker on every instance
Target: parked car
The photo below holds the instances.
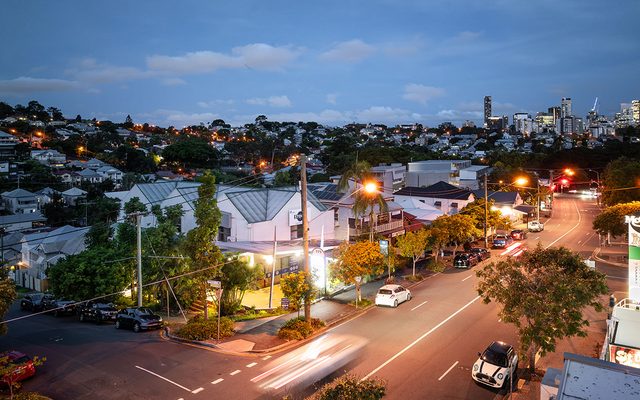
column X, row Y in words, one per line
column 34, row 301
column 535, row 226
column 138, row 318
column 21, row 367
column 518, row 234
column 465, row 260
column 98, row 312
column 495, row 366
column 392, row 295
column 501, row 241
column 59, row 307
column 481, row 252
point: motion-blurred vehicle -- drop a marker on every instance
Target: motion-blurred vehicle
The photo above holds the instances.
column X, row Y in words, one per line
column 535, row 226
column 465, row 260
column 20, row 367
column 481, row 253
column 138, row 319
column 58, row 307
column 496, row 365
column 97, row 312
column 500, row 241
column 518, row 234
column 392, row 295
column 309, row 363
column 34, row 301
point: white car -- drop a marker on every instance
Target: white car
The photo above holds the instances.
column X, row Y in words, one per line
column 496, row 365
column 535, row 226
column 392, row 295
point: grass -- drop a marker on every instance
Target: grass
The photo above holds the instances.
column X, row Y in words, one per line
column 256, row 314
column 362, row 303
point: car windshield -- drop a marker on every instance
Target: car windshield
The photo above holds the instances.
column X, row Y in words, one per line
column 103, row 306
column 384, row 291
column 495, row 358
column 144, row 311
column 21, row 360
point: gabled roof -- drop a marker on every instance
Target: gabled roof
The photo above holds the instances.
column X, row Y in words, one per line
column 156, row 192
column 325, row 191
column 88, row 173
column 108, row 169
column 74, row 192
column 258, row 205
column 21, row 218
column 498, row 197
column 439, row 190
column 18, row 193
column 47, row 191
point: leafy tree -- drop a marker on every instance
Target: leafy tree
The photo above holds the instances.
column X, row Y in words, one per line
column 237, row 277
column 619, row 177
column 7, row 296
column 611, row 220
column 134, row 205
column 55, row 114
column 99, row 234
column 288, row 177
column 457, row 229
column 57, row 212
column 8, row 377
column 128, row 122
column 543, row 293
column 495, row 219
column 192, row 153
column 352, row 387
column 359, row 259
column 6, row 110
column 436, row 239
column 200, row 246
column 296, row 286
column 413, row 244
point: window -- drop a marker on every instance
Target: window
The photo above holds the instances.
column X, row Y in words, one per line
column 335, row 215
column 437, row 204
column 296, row 231
column 454, row 205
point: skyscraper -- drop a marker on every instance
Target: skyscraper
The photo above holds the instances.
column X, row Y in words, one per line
column 635, row 112
column 487, row 110
column 565, row 109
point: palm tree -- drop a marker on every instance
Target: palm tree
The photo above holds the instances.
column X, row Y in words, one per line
column 364, row 199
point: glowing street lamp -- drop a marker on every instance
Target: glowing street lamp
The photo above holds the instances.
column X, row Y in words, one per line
column 522, row 181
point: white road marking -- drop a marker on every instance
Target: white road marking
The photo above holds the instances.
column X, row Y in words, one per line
column 217, row 381
column 198, row 390
column 421, row 304
column 398, row 354
column 265, row 358
column 252, row 364
column 447, row 371
column 163, row 378
column 467, row 278
column 536, row 238
column 567, row 232
column 236, row 372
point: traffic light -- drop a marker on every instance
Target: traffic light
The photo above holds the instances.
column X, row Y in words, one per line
column 564, row 181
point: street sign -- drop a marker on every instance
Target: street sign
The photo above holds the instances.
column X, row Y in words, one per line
column 284, row 303
column 384, row 247
column 215, row 284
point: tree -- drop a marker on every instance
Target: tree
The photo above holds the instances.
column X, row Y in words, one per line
column 413, row 244
column 611, row 220
column 128, row 122
column 200, row 246
column 134, row 205
column 99, row 234
column 191, row 152
column 457, row 228
column 543, row 293
column 296, row 286
column 55, row 114
column 619, row 178
column 495, row 219
column 237, row 277
column 359, row 259
column 7, row 295
column 436, row 239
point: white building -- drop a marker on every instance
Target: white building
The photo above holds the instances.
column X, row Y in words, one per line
column 390, row 177
column 20, row 201
column 429, row 172
column 443, row 196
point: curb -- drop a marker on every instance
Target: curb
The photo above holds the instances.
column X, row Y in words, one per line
column 597, row 252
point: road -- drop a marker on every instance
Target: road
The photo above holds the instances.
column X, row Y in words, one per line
column 423, row 349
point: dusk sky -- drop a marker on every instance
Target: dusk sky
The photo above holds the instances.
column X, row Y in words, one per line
column 333, row 62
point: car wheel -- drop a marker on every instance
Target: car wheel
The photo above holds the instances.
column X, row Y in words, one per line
column 136, row 327
column 117, row 324
column 409, row 297
column 395, row 304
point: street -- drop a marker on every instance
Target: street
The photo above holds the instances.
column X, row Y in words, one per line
column 425, row 348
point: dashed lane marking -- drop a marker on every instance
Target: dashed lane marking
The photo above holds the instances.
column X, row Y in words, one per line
column 236, row 372
column 266, row 358
column 418, row 305
column 447, row 371
column 217, row 381
column 198, row 390
column 163, row 378
column 467, row 278
column 252, row 364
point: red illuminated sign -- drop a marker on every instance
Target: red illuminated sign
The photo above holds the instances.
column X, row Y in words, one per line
column 624, row 356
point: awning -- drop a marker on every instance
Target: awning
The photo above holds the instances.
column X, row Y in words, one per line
column 524, row 209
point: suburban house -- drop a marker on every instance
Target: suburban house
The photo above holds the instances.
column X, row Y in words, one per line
column 89, row 175
column 425, row 173
column 422, row 212
column 44, row 249
column 45, row 195
column 50, row 157
column 470, row 177
column 20, row 201
column 19, row 222
column 110, row 173
column 443, row 196
column 73, row 195
column 390, row 177
column 8, row 144
column 67, row 177
column 510, row 204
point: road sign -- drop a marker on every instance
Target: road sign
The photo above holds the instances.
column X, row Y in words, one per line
column 384, row 247
column 284, row 303
column 215, row 284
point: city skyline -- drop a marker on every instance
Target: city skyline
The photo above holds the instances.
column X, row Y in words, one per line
column 334, row 63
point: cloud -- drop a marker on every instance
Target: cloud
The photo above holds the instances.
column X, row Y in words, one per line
column 90, row 71
column 332, row 98
column 25, row 84
column 273, row 101
column 350, row 51
column 458, row 115
column 404, row 48
column 387, row 114
column 215, row 103
column 173, row 82
column 178, row 118
column 421, row 93
column 254, row 56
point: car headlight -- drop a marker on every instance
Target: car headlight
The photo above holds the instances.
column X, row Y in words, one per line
column 475, row 367
column 500, row 376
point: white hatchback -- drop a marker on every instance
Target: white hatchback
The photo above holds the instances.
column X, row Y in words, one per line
column 392, row 295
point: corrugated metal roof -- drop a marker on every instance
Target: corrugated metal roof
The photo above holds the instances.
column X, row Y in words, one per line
column 257, row 205
column 439, row 190
column 325, row 191
column 16, row 193
column 498, row 197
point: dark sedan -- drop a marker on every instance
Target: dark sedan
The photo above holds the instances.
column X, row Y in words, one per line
column 59, row 307
column 481, row 253
column 97, row 312
column 34, row 301
column 518, row 234
column 138, row 319
column 465, row 260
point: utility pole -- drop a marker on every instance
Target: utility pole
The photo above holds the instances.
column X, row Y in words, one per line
column 486, row 212
column 273, row 267
column 305, row 231
column 138, row 217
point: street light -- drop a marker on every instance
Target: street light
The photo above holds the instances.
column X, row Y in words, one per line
column 522, row 181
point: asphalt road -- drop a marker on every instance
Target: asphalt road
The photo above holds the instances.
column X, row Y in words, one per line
column 424, row 348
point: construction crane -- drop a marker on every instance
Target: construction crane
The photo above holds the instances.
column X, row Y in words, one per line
column 595, row 105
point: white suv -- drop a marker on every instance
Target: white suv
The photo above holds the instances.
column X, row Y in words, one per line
column 496, row 365
column 535, row 226
column 392, row 295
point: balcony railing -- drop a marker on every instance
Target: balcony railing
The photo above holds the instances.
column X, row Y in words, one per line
column 388, row 226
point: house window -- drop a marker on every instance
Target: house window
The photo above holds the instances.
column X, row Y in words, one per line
column 437, row 204
column 423, row 201
column 296, row 232
column 454, row 205
column 335, row 215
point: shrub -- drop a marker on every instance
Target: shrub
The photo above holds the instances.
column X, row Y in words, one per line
column 349, row 387
column 414, row 278
column 200, row 329
column 436, row 266
column 297, row 328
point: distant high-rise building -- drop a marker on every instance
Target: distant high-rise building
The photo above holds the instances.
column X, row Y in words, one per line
column 565, row 108
column 498, row 124
column 487, row 110
column 555, row 112
column 635, row 112
column 522, row 123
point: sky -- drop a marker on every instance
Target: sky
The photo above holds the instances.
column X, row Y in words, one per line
column 333, row 62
